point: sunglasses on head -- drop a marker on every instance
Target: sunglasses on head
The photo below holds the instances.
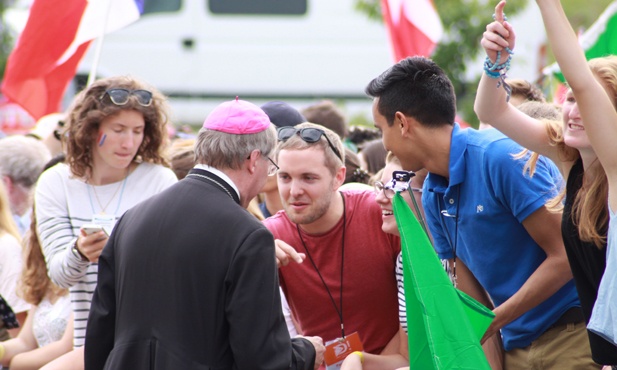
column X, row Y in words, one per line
column 400, row 182
column 121, row 96
column 308, row 134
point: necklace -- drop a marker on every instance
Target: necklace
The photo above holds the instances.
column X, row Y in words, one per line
column 339, row 309
column 96, row 196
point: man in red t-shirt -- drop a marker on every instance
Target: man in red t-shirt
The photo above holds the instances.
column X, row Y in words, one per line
column 345, row 282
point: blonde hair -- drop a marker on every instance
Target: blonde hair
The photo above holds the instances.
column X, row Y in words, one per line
column 181, row 156
column 606, row 70
column 295, row 142
column 7, row 224
column 525, row 89
column 35, row 284
column 253, row 209
column 590, row 208
column 550, row 114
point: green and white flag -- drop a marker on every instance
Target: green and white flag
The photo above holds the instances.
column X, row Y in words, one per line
column 445, row 325
column 598, row 41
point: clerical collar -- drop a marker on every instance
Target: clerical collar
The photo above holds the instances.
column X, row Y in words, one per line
column 220, row 174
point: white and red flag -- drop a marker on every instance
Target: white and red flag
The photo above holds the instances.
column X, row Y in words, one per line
column 413, row 25
column 50, row 47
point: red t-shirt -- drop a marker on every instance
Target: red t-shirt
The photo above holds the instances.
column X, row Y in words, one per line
column 370, row 304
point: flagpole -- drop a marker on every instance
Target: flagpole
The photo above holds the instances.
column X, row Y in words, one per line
column 99, row 47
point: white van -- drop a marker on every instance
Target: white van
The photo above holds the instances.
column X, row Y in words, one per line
column 201, row 52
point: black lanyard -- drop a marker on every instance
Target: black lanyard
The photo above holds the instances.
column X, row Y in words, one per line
column 445, row 213
column 338, row 312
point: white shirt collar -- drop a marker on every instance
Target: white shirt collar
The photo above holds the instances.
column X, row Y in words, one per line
column 220, row 174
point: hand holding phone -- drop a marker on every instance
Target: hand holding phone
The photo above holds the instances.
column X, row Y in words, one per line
column 92, row 228
column 90, row 247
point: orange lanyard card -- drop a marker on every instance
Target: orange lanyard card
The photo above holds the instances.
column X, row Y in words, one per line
column 338, row 349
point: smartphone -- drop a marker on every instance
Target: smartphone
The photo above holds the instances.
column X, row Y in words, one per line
column 92, row 228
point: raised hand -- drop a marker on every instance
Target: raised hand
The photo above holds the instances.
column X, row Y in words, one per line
column 499, row 36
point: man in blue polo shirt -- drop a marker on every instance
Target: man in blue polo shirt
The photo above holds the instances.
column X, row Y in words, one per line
column 487, row 216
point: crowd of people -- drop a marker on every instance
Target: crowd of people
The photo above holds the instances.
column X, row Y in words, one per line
column 268, row 240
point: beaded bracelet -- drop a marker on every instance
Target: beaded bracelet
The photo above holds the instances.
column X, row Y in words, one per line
column 497, row 66
column 490, row 73
column 499, row 72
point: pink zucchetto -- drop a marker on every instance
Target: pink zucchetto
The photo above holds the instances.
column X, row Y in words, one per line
column 237, row 117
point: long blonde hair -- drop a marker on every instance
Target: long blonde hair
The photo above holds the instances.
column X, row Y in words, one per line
column 590, row 207
column 7, row 224
column 35, row 284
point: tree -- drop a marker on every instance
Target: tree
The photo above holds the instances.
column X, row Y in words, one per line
column 582, row 13
column 6, row 42
column 464, row 21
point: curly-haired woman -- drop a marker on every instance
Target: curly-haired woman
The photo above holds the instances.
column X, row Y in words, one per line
column 115, row 136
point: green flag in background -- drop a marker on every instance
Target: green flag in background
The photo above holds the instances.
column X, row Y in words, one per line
column 599, row 40
column 445, row 325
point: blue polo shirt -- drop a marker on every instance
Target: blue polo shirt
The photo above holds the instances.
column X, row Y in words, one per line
column 491, row 196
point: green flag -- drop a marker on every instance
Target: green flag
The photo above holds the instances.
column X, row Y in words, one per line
column 598, row 41
column 445, row 325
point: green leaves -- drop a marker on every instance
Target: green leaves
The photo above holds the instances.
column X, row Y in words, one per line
column 6, row 41
column 464, row 21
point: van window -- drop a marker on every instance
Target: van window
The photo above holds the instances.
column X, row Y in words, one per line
column 161, row 6
column 270, row 7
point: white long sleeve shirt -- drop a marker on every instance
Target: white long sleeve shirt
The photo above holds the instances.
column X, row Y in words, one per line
column 63, row 204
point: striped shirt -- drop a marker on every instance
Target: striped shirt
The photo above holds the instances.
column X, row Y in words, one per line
column 402, row 307
column 63, row 204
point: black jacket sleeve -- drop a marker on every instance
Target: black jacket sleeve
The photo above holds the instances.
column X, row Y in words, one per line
column 258, row 333
column 100, row 331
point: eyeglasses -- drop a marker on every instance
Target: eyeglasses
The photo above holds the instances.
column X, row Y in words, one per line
column 121, row 96
column 308, row 134
column 272, row 167
column 399, row 183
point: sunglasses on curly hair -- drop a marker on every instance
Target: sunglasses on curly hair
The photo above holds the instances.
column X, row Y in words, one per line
column 121, row 96
column 308, row 134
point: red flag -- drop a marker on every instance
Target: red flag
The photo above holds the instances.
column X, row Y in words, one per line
column 56, row 36
column 33, row 78
column 413, row 25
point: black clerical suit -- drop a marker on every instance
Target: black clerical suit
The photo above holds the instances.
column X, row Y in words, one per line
column 188, row 280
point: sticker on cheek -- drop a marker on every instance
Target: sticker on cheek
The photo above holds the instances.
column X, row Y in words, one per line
column 102, row 138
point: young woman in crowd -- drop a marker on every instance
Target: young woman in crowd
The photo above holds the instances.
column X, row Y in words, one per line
column 48, row 330
column 585, row 161
column 10, row 263
column 596, row 95
column 115, row 137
